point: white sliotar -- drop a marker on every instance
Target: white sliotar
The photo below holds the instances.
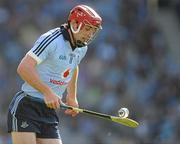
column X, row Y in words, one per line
column 123, row 113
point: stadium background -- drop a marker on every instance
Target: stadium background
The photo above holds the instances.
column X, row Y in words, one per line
column 134, row 63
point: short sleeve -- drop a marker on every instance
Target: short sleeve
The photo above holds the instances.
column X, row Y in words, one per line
column 44, row 45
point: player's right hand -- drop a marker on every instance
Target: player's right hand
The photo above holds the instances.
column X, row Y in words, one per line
column 52, row 100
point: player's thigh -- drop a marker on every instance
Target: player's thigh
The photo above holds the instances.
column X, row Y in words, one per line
column 23, row 137
column 48, row 141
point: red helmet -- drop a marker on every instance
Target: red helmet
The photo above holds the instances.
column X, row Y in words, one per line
column 85, row 15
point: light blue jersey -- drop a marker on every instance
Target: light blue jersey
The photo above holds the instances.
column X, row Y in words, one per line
column 56, row 61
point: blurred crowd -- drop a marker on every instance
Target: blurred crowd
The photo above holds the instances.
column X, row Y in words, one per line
column 128, row 65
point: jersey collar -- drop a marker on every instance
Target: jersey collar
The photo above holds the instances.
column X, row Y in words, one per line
column 65, row 33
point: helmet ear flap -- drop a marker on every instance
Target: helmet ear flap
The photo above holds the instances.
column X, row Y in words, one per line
column 78, row 28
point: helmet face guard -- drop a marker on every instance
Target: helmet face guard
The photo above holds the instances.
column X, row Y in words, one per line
column 93, row 35
column 85, row 16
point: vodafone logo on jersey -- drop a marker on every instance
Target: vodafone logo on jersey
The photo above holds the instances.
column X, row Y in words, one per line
column 58, row 82
column 66, row 73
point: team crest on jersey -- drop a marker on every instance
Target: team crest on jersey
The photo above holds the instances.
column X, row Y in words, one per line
column 66, row 73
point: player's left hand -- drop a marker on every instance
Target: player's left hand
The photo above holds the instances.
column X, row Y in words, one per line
column 71, row 102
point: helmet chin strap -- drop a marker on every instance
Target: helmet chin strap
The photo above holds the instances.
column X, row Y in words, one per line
column 80, row 44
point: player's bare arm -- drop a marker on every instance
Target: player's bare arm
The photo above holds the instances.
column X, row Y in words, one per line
column 71, row 98
column 28, row 73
